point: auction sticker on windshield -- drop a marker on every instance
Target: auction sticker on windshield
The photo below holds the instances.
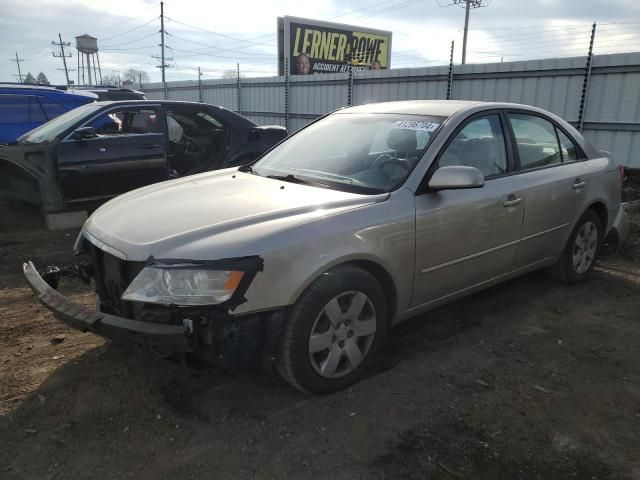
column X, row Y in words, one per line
column 416, row 125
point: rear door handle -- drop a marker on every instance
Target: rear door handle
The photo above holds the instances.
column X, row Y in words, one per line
column 579, row 183
column 512, row 201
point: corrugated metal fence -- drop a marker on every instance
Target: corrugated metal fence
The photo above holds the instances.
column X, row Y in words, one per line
column 612, row 108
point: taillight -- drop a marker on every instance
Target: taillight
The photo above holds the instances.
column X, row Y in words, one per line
column 622, row 177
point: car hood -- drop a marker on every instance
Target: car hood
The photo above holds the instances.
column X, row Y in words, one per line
column 213, row 215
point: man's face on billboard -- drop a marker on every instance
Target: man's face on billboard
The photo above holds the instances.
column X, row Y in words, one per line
column 303, row 64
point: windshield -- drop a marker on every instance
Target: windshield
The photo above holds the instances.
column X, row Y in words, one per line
column 362, row 153
column 49, row 131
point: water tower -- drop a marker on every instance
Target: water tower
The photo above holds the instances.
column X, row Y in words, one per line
column 87, row 47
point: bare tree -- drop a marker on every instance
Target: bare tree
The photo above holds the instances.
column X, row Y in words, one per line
column 231, row 74
column 111, row 79
column 136, row 76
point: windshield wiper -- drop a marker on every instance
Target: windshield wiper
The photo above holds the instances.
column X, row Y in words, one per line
column 293, row 179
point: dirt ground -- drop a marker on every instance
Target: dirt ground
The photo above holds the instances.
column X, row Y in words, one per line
column 528, row 380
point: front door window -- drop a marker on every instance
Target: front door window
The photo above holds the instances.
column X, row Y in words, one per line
column 479, row 144
column 127, row 121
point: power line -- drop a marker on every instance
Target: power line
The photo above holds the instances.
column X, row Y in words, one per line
column 525, row 43
column 538, row 34
column 362, row 9
column 129, row 31
column 130, row 41
column 195, row 53
column 119, row 24
column 218, row 34
column 126, row 49
column 533, row 27
column 211, row 46
column 392, row 8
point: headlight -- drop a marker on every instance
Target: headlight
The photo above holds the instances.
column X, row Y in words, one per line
column 183, row 286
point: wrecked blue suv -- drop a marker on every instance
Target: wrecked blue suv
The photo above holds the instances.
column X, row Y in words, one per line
column 25, row 107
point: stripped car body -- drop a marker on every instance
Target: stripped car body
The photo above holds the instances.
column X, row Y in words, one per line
column 458, row 211
column 107, row 148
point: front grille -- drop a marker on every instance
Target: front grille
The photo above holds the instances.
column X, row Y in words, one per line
column 112, row 277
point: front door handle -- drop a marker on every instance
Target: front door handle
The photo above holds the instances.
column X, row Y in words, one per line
column 579, row 183
column 512, row 201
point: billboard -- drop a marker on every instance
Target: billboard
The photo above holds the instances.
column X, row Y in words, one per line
column 313, row 46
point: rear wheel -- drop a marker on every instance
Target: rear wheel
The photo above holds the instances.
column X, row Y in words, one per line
column 333, row 331
column 578, row 258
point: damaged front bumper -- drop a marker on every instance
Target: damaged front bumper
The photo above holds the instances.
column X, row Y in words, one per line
column 160, row 338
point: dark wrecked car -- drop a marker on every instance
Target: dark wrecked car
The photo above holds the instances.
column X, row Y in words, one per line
column 104, row 149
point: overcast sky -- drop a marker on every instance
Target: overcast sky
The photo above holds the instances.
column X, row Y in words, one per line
column 216, row 34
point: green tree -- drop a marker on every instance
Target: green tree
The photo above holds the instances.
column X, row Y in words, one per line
column 29, row 79
column 42, row 79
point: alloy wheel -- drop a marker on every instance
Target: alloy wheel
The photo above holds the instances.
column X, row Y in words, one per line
column 585, row 247
column 342, row 334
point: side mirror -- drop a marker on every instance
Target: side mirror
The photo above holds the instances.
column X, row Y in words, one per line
column 456, row 178
column 83, row 133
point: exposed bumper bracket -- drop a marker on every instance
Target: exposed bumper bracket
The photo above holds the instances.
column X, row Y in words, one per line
column 160, row 338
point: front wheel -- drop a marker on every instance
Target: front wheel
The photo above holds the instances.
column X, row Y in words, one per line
column 578, row 258
column 333, row 331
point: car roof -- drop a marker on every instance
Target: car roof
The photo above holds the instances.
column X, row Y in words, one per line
column 230, row 116
column 20, row 88
column 27, row 86
column 440, row 108
column 163, row 102
column 104, row 88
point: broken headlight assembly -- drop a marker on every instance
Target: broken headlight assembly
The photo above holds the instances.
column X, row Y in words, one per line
column 192, row 284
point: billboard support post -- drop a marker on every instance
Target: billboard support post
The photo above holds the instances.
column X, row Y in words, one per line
column 350, row 88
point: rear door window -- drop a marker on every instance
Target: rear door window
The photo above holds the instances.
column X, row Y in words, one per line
column 52, row 108
column 536, row 141
column 568, row 147
column 20, row 109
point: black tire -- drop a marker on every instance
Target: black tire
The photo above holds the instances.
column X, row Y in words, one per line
column 294, row 362
column 564, row 271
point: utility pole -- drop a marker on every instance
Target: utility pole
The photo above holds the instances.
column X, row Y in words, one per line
column 199, row 85
column 163, row 66
column 63, row 55
column 466, row 32
column 18, row 60
column 468, row 5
